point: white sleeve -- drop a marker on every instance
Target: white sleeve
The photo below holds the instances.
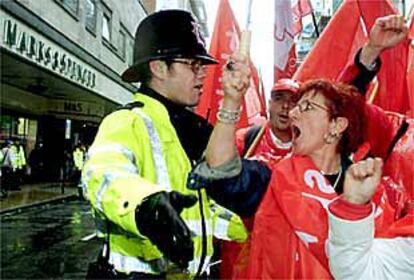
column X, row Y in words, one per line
column 354, row 253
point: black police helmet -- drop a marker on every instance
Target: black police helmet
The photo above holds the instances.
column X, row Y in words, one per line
column 167, row 34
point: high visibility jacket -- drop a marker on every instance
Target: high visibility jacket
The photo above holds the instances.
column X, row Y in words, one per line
column 227, row 225
column 137, row 153
column 78, row 157
column 20, row 157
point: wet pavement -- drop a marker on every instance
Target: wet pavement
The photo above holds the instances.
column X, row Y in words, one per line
column 44, row 241
column 32, row 194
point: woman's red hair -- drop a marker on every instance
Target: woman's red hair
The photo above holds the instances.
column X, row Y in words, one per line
column 342, row 101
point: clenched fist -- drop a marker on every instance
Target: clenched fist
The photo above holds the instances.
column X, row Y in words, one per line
column 387, row 32
column 362, row 179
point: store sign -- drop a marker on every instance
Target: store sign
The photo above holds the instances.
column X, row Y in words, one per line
column 73, row 107
column 38, row 50
column 69, row 107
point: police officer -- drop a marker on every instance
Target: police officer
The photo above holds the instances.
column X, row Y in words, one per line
column 136, row 172
column 20, row 164
column 8, row 167
column 78, row 156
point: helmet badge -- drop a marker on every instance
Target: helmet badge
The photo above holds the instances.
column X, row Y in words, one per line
column 196, row 31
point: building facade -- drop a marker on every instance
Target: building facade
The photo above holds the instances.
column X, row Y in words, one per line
column 196, row 7
column 61, row 62
column 60, row 65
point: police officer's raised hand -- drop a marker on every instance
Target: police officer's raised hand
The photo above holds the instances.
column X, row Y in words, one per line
column 158, row 218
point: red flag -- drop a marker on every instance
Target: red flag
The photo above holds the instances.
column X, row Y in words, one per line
column 290, row 66
column 225, row 41
column 300, row 8
column 332, row 52
column 288, row 23
column 410, row 70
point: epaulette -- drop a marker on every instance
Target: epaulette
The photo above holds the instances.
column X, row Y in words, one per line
column 130, row 106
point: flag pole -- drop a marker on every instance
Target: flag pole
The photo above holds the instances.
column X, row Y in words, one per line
column 315, row 25
column 249, row 15
column 246, row 34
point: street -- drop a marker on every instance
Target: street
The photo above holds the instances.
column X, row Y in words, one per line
column 44, row 242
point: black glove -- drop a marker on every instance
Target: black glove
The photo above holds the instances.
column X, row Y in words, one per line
column 158, row 218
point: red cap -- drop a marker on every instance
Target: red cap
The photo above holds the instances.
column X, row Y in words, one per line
column 286, row 84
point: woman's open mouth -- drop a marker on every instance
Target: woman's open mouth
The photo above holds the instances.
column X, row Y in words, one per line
column 295, row 132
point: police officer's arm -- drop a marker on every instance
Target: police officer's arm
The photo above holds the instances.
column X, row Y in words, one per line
column 112, row 171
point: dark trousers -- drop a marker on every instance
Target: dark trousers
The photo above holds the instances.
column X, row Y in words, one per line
column 7, row 179
column 76, row 176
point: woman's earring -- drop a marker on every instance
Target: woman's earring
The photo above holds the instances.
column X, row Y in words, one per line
column 330, row 137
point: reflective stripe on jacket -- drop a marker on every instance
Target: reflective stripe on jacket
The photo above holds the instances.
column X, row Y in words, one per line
column 227, row 225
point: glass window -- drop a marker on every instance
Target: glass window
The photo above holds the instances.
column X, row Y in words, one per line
column 7, row 125
column 130, row 58
column 106, row 27
column 71, row 5
column 13, row 127
column 91, row 15
column 122, row 43
column 22, row 126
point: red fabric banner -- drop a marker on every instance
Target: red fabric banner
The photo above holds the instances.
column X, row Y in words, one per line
column 288, row 23
column 410, row 70
column 345, row 34
column 300, row 8
column 332, row 51
column 225, row 41
column 290, row 67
